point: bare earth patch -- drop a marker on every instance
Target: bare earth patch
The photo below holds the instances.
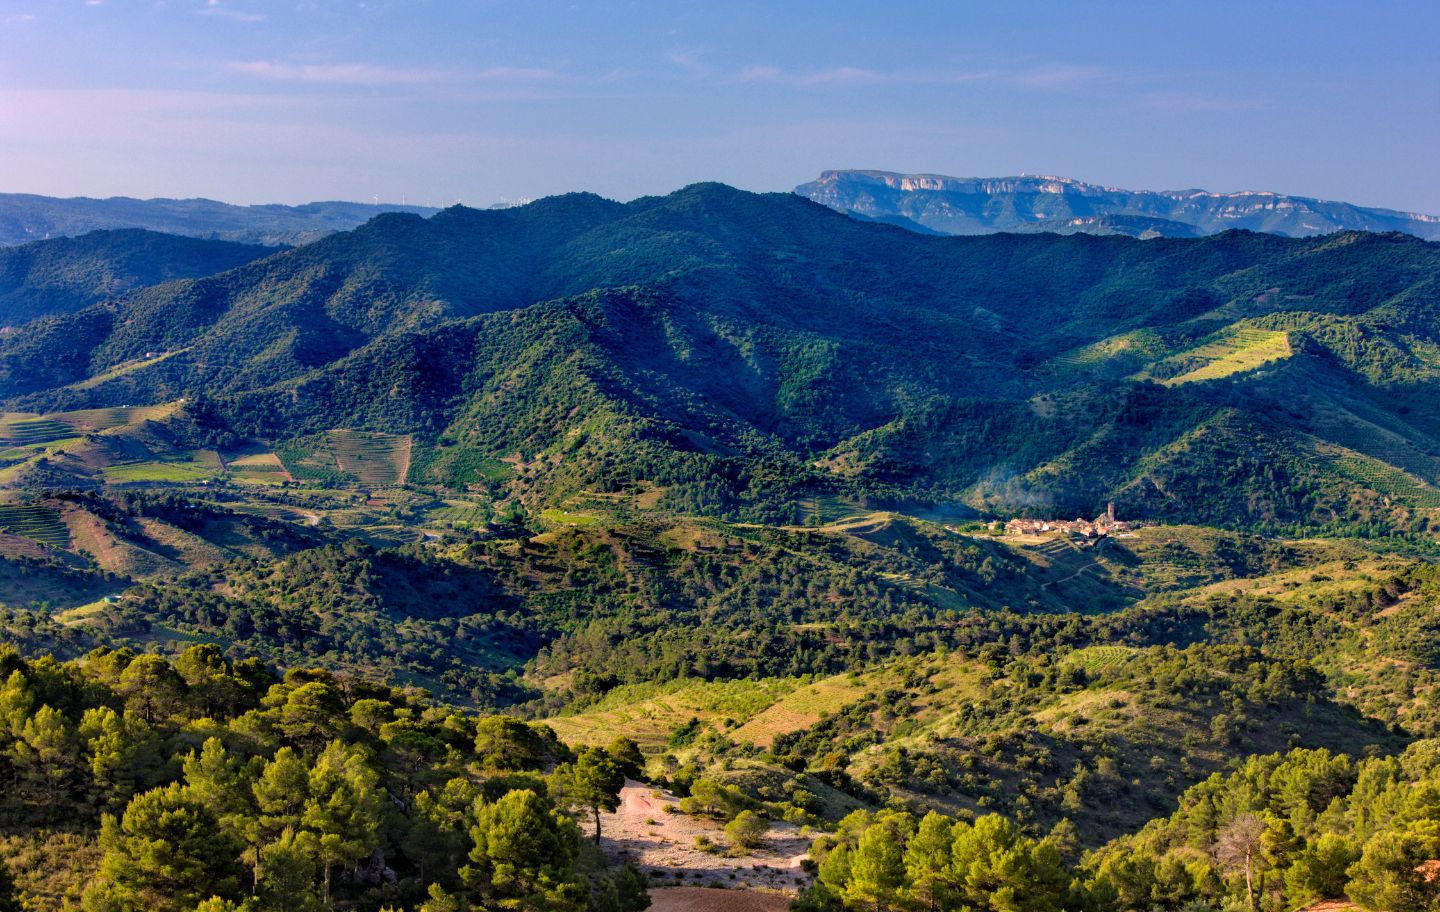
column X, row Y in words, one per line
column 710, row 899
column 665, row 851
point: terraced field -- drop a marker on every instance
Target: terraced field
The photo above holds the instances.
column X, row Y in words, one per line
column 33, row 431
column 819, row 511
column 259, row 468
column 801, row 708
column 1098, row 658
column 462, row 514
column 120, row 370
column 375, row 459
column 36, row 522
column 1385, row 479
column 1234, row 352
column 25, row 429
column 1353, row 432
column 316, row 465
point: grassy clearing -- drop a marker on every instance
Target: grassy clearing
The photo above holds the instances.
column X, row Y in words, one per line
column 83, row 613
column 1235, row 351
column 203, row 465
column 375, row 459
column 802, row 708
column 120, row 370
column 36, row 522
column 650, row 713
column 1142, row 343
column 462, row 513
column 562, row 518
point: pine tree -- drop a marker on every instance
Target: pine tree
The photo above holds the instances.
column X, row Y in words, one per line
column 524, row 855
column 345, row 809
column 17, row 701
column 626, row 754
column 747, row 830
column 877, row 867
column 285, row 872
column 166, row 854
column 927, row 861
column 592, row 782
column 47, row 759
column 151, row 688
column 122, row 755
column 279, row 796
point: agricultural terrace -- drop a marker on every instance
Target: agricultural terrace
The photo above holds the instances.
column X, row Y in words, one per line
column 375, row 459
column 36, row 522
column 1235, row 352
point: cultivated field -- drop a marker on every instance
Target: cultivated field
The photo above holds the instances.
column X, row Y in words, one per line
column 649, row 713
column 375, row 459
column 202, row 465
column 257, row 468
column 36, row 522
column 1384, row 479
column 1131, row 346
column 24, row 429
column 1234, row 352
column 462, row 513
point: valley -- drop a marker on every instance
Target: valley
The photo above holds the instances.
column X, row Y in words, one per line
column 762, row 517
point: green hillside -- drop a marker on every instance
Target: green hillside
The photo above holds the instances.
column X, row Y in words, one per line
column 711, row 491
column 53, row 277
column 672, row 343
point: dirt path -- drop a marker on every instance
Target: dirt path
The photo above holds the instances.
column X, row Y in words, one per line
column 710, row 899
column 662, row 845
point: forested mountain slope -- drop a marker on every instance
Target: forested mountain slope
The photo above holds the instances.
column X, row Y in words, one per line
column 740, row 350
column 61, row 276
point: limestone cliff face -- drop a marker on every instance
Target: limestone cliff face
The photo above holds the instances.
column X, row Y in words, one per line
column 1028, row 203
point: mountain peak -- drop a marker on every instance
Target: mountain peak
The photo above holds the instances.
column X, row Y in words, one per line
column 1031, row 203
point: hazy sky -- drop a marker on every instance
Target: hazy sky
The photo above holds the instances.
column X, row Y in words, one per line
column 255, row 101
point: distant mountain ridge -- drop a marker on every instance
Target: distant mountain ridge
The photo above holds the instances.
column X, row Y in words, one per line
column 26, row 217
column 1030, row 203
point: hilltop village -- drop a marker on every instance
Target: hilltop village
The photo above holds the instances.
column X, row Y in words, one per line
column 1102, row 525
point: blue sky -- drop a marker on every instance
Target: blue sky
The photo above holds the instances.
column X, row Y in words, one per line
column 434, row 102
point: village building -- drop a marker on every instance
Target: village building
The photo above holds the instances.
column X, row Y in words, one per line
column 1104, row 524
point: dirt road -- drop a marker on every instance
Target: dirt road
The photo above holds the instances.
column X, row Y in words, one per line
column 662, row 845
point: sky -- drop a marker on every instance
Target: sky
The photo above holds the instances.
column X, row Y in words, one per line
column 479, row 102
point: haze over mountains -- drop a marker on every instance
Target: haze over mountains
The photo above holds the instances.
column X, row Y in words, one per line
column 27, row 217
column 925, row 203
column 1030, row 203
